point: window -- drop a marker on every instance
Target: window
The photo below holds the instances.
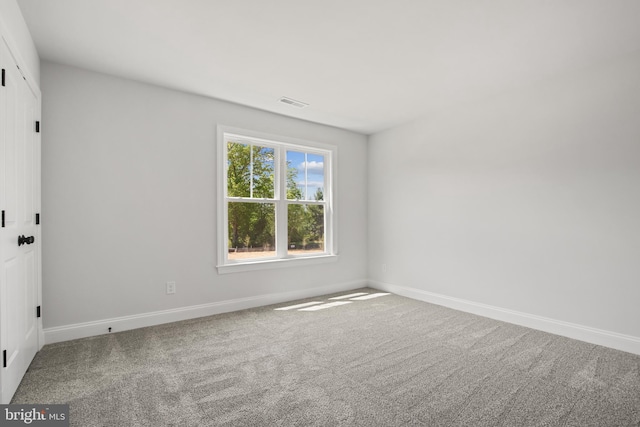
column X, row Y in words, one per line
column 275, row 201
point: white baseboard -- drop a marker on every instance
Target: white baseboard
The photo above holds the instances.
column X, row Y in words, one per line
column 610, row 339
column 118, row 324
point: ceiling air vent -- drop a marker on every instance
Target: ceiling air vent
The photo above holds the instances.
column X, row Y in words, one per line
column 293, row 102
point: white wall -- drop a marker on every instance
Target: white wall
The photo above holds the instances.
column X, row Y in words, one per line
column 129, row 200
column 528, row 202
column 19, row 39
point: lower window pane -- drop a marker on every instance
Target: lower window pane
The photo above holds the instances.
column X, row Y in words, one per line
column 305, row 230
column 252, row 230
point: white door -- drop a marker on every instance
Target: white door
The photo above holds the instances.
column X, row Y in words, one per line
column 19, row 237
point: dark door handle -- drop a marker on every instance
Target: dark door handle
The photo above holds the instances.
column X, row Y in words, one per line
column 22, row 240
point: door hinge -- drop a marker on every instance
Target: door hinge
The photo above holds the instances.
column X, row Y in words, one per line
column 4, row 358
column 37, row 219
column 3, row 77
column 37, row 126
column 38, row 313
column 2, row 219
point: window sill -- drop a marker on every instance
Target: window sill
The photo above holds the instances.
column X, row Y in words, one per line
column 275, row 263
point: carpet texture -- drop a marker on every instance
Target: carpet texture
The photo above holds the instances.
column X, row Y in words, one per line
column 384, row 361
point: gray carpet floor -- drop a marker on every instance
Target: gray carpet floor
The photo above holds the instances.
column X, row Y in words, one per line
column 385, row 361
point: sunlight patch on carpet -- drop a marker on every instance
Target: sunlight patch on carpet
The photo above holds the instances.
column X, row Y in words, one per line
column 357, row 294
column 293, row 307
column 370, row 296
column 323, row 306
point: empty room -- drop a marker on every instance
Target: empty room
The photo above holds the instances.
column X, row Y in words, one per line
column 320, row 213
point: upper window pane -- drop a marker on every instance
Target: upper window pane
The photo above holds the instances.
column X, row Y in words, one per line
column 250, row 171
column 305, row 176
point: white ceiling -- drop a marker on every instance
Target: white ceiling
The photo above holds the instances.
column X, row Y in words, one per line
column 363, row 65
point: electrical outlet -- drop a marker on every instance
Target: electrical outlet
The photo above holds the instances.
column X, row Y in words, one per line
column 171, row 288
column 384, row 268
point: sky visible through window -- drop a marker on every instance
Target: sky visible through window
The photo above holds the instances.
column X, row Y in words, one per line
column 309, row 172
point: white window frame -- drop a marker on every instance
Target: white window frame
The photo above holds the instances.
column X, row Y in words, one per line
column 281, row 144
